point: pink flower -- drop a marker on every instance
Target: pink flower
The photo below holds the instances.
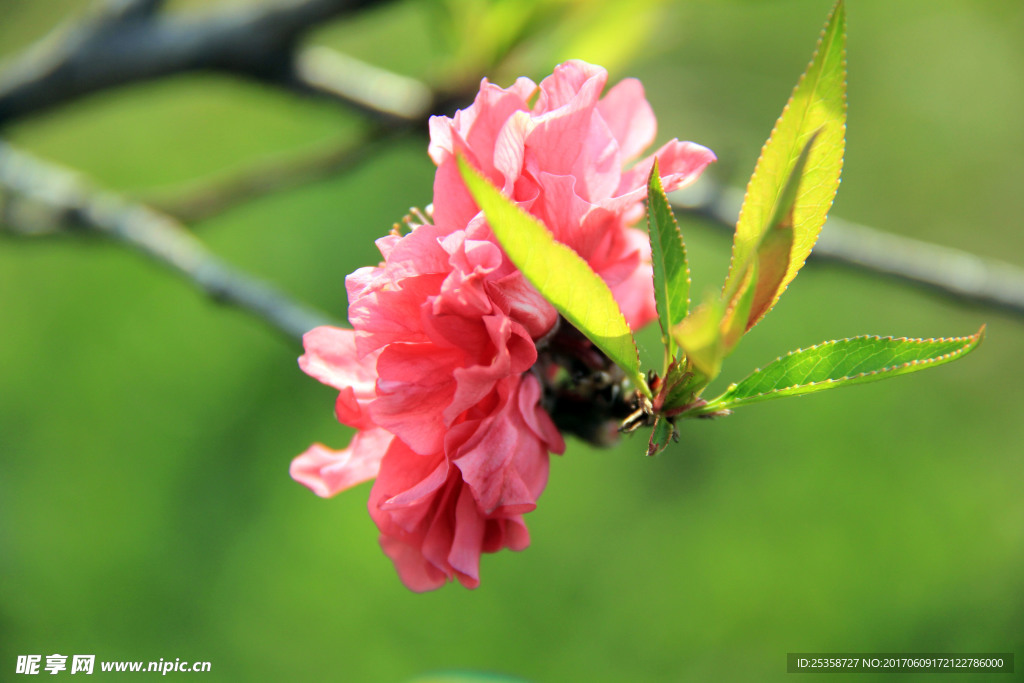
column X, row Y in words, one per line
column 435, row 378
column 564, row 159
column 436, row 374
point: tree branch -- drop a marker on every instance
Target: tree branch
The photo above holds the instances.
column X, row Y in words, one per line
column 37, row 198
column 950, row 272
column 202, row 201
column 128, row 41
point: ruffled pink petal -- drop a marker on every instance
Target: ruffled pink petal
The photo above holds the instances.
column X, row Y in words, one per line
column 479, row 124
column 680, row 163
column 470, row 262
column 514, row 353
column 467, row 541
column 501, row 459
column 391, row 313
column 415, row 384
column 415, row 572
column 331, row 358
column 453, row 205
column 536, row 418
column 560, row 133
column 524, row 304
column 566, row 83
column 630, row 118
column 599, row 165
column 418, row 253
column 407, row 490
column 562, row 210
column 510, row 148
column 326, row 471
column 509, row 532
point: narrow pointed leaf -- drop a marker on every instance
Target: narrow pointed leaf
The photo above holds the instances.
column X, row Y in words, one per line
column 559, row 274
column 816, row 107
column 660, row 435
column 700, row 337
column 838, row 363
column 668, row 255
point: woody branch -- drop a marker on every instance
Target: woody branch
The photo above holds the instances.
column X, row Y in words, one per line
column 262, row 42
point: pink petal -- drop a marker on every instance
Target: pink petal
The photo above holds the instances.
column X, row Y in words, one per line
column 405, row 496
column 680, row 163
column 326, row 472
column 514, row 353
column 414, row 386
column 416, row 573
column 453, row 205
column 391, row 314
column 525, row 305
column 331, row 358
column 629, row 117
column 567, row 81
column 559, row 135
column 500, row 457
column 599, row 165
column 467, row 543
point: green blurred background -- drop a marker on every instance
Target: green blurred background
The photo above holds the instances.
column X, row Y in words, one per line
column 145, row 433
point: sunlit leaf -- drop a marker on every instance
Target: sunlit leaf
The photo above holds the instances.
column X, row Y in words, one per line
column 774, row 252
column 817, row 107
column 838, row 363
column 668, row 256
column 559, row 274
column 700, row 337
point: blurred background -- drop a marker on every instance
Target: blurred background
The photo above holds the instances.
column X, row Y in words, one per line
column 146, row 432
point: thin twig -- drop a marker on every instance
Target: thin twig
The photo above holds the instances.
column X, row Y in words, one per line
column 128, row 41
column 39, row 198
column 950, row 272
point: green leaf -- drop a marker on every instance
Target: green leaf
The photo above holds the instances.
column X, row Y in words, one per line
column 559, row 274
column 668, row 255
column 838, row 363
column 700, row 337
column 817, row 107
column 662, row 432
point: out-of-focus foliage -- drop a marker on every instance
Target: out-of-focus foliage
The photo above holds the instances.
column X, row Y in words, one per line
column 145, row 434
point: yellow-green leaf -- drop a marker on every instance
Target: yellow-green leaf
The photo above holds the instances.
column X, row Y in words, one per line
column 700, row 337
column 776, row 246
column 559, row 274
column 817, row 107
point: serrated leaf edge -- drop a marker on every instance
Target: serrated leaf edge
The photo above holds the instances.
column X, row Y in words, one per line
column 975, row 338
column 764, row 147
column 664, row 321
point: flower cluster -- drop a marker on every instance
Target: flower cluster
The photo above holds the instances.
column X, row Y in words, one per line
column 435, row 374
